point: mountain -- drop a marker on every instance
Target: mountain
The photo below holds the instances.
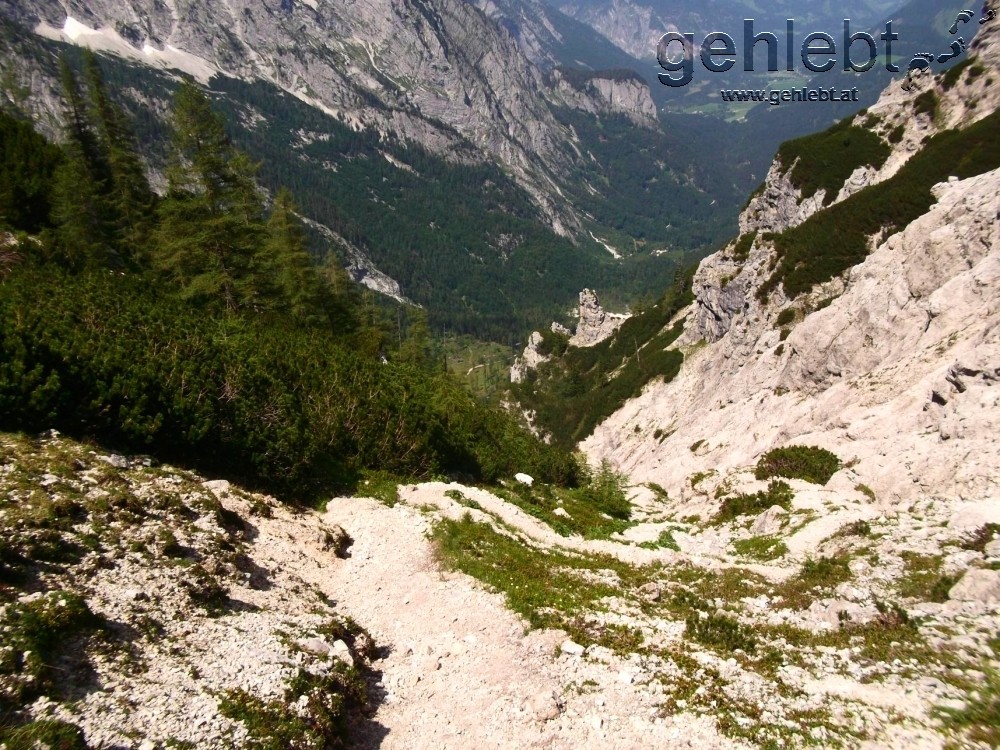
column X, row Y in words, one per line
column 848, row 309
column 848, row 297
column 433, row 156
column 636, row 27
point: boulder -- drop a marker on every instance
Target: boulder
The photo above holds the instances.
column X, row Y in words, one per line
column 977, row 586
column 770, row 521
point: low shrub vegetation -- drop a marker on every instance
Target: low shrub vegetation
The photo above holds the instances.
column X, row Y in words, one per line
column 826, row 160
column 831, row 241
column 777, row 493
column 720, row 632
column 808, row 463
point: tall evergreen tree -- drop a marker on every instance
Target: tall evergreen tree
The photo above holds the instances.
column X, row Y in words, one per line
column 129, row 194
column 297, row 283
column 79, row 210
column 211, row 221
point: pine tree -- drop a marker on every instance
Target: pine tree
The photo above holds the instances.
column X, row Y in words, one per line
column 79, row 210
column 129, row 194
column 298, row 289
column 211, row 221
column 415, row 348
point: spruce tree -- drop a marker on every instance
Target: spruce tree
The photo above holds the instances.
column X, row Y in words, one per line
column 298, row 289
column 129, row 195
column 211, row 221
column 79, row 209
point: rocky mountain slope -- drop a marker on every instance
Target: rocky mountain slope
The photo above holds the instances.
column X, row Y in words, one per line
column 416, row 126
column 147, row 607
column 854, row 363
column 420, row 71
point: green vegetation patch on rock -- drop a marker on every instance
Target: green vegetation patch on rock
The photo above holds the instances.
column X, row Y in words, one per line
column 804, row 462
column 833, row 240
column 826, row 160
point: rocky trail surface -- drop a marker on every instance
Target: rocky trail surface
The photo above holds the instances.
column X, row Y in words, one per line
column 462, row 670
column 190, row 613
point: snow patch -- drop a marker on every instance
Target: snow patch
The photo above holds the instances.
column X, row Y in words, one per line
column 110, row 41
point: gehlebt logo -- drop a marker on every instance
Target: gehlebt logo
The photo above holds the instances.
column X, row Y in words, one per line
column 818, row 52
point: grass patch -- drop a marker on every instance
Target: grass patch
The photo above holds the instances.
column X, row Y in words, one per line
column 720, row 632
column 381, row 486
column 664, row 541
column 867, row 491
column 923, row 579
column 761, row 548
column 322, row 725
column 979, row 721
column 815, row 574
column 804, row 462
column 55, row 735
column 36, row 635
column 595, row 510
column 549, row 589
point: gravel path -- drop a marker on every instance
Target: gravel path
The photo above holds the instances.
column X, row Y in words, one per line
column 463, row 673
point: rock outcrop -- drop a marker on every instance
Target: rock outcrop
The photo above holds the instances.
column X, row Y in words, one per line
column 594, row 324
column 529, row 360
column 890, row 365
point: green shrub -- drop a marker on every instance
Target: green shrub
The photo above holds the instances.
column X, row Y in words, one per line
column 286, row 408
column 926, row 104
column 951, row 76
column 785, row 317
column 720, row 632
column 826, row 160
column 805, row 462
column 606, row 492
column 896, row 134
column 982, row 536
column 743, row 245
column 777, row 493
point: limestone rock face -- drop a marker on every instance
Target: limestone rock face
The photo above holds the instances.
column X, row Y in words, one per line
column 897, row 374
column 779, row 205
column 594, row 324
column 608, row 93
column 977, row 586
column 529, row 360
column 441, row 73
